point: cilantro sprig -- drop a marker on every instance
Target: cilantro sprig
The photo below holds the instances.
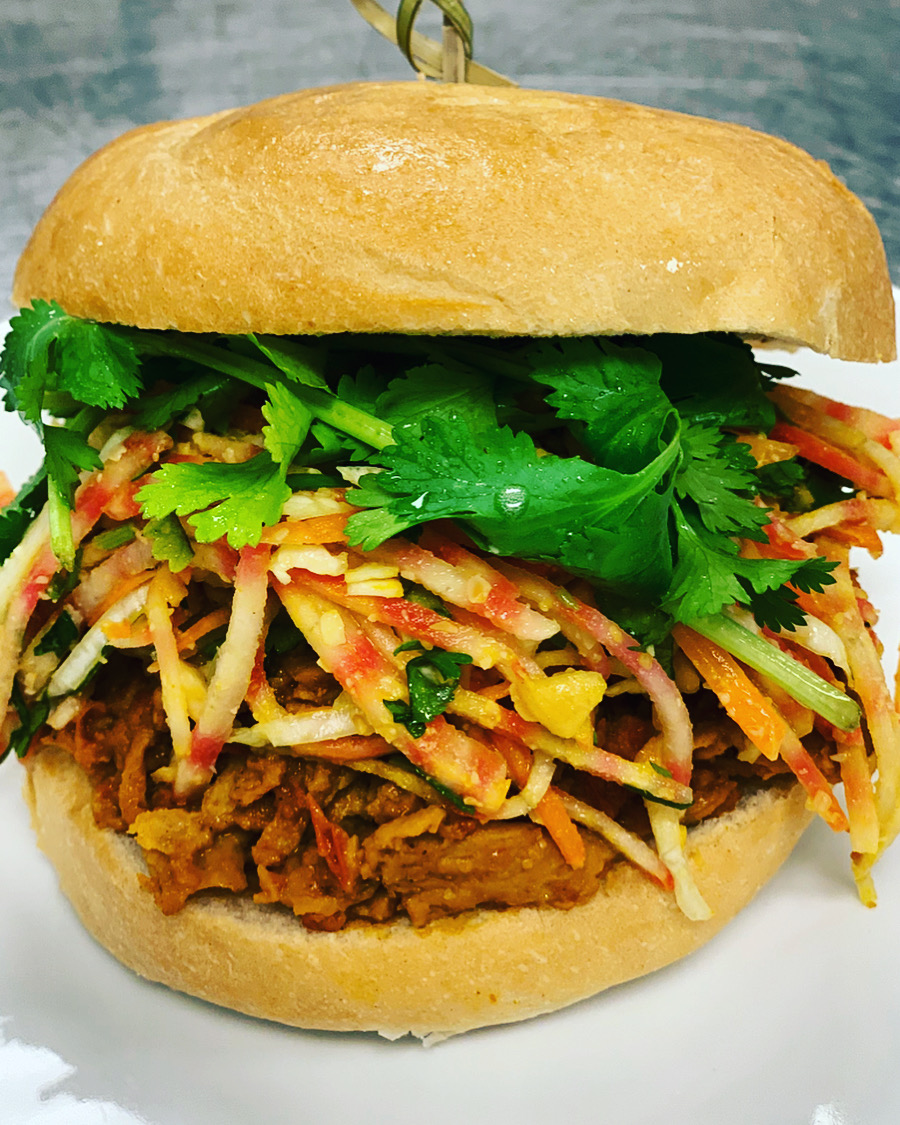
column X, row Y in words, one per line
column 56, row 363
column 611, row 459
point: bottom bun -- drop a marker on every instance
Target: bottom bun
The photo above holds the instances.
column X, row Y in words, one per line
column 486, row 968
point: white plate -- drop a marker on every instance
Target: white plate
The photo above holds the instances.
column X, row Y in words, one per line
column 792, row 1015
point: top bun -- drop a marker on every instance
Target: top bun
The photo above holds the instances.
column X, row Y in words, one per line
column 415, row 207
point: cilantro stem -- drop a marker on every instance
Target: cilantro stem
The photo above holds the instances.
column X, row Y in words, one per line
column 60, row 513
column 797, row 680
column 324, row 405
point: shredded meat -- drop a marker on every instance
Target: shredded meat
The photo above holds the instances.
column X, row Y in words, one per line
column 337, row 846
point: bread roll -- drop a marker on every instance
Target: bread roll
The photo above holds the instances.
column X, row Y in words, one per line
column 409, row 207
column 486, row 968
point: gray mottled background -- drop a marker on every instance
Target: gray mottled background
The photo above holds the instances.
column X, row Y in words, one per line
column 822, row 73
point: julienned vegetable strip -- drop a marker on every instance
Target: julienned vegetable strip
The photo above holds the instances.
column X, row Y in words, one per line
column 883, row 722
column 550, row 810
column 805, row 686
column 234, row 666
column 742, row 700
column 759, row 719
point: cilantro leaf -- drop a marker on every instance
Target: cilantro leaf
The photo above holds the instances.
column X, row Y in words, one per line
column 800, row 486
column 60, row 637
column 717, row 474
column 710, row 573
column 297, row 361
column 235, row 501
column 614, row 392
column 288, row 424
column 433, row 679
column 777, row 608
column 66, row 453
column 713, row 378
column 162, row 408
column 16, row 517
column 49, row 351
column 592, row 520
column 31, row 719
column 434, row 390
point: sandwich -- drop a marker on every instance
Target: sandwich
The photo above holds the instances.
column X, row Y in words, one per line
column 433, row 608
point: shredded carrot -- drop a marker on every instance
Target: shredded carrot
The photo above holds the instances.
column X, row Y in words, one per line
column 550, row 810
column 117, row 630
column 188, row 639
column 742, row 700
column 317, row 529
column 829, row 456
column 351, row 748
column 859, row 535
column 260, row 695
column 760, row 720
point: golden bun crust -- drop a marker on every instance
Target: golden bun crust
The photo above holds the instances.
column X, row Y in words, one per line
column 424, row 208
column 493, row 967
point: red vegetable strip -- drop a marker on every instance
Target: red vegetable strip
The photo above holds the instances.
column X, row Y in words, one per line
column 851, row 438
column 837, row 604
column 830, row 457
column 858, row 791
column 464, row 579
column 630, row 845
column 26, row 578
column 465, row 766
column 880, row 514
column 875, row 426
column 414, row 620
column 165, row 592
column 91, row 595
column 234, row 664
column 742, row 700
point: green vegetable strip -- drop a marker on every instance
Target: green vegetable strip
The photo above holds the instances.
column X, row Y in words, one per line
column 797, row 680
column 323, row 404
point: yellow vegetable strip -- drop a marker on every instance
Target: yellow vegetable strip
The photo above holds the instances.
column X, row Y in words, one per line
column 592, row 759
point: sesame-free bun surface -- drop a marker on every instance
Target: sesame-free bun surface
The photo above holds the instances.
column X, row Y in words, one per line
column 416, row 207
column 490, row 967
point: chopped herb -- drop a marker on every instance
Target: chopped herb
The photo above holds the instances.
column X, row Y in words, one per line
column 115, row 537
column 432, row 679
column 64, row 581
column 168, row 542
column 16, row 517
column 60, row 637
column 31, row 719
